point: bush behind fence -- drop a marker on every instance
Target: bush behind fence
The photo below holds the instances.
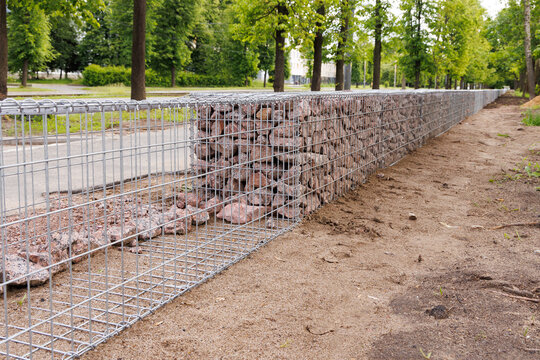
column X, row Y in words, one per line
column 95, row 75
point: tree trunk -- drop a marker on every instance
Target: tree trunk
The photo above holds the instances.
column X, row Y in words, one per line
column 377, row 48
column 455, row 84
column 528, row 56
column 173, row 76
column 279, row 62
column 462, row 83
column 417, row 78
column 522, row 81
column 317, row 53
column 65, row 74
column 403, row 82
column 24, row 80
column 417, row 62
column 340, row 74
column 264, row 81
column 138, row 66
column 60, row 77
column 3, row 50
column 340, row 54
column 436, row 81
column 365, row 69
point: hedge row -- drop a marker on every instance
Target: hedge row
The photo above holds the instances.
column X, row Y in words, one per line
column 95, row 75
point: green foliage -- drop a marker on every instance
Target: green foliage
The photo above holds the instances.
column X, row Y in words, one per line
column 121, row 25
column 457, row 35
column 208, row 35
column 505, row 35
column 532, row 118
column 28, row 36
column 95, row 75
column 174, row 22
column 95, row 46
column 64, row 39
column 417, row 18
column 225, row 42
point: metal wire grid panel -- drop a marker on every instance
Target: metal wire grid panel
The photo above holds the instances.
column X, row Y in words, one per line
column 111, row 209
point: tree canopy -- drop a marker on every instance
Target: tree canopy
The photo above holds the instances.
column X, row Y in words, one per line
column 427, row 43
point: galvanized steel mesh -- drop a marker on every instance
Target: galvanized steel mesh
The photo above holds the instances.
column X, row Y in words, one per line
column 110, row 209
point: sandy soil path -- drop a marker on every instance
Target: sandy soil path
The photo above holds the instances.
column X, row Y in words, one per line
column 360, row 280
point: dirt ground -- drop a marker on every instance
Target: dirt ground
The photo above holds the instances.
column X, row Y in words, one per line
column 359, row 279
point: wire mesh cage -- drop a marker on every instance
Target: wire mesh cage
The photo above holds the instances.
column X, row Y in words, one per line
column 110, row 209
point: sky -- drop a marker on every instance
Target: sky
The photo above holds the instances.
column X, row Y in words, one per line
column 493, row 6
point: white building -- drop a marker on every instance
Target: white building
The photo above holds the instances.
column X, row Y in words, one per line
column 299, row 69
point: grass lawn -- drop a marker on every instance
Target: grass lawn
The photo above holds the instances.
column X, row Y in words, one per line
column 91, row 122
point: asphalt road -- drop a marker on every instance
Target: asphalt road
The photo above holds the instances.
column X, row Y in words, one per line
column 28, row 173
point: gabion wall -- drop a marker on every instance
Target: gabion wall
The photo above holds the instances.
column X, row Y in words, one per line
column 287, row 155
column 109, row 209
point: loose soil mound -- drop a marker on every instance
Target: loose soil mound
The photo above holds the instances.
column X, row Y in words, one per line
column 361, row 279
column 534, row 103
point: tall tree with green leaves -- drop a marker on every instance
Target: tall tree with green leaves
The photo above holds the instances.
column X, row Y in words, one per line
column 81, row 9
column 3, row 50
column 97, row 43
column 120, row 18
column 454, row 26
column 208, row 34
column 379, row 22
column 320, row 11
column 417, row 17
column 241, row 60
column 29, row 38
column 266, row 59
column 64, row 39
column 260, row 20
column 527, row 44
column 345, row 23
column 174, row 21
column 505, row 33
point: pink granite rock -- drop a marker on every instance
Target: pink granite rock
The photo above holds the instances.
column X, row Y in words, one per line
column 19, row 268
column 238, row 213
column 187, row 198
column 177, row 221
column 214, row 205
column 118, row 234
column 198, row 216
column 260, row 197
column 291, row 212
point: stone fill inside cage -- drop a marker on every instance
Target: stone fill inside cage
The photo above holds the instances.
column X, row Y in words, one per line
column 110, row 209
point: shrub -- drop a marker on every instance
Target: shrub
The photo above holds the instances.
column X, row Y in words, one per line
column 532, row 118
column 185, row 78
column 95, row 75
